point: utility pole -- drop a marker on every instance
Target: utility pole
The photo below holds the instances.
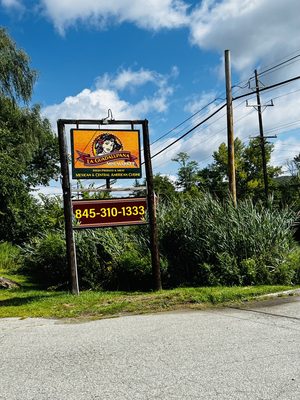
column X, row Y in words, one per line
column 230, row 136
column 261, row 136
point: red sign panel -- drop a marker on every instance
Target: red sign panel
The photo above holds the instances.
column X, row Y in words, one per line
column 111, row 212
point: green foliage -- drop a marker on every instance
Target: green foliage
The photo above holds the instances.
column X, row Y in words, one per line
column 90, row 259
column 187, row 173
column 10, row 257
column 28, row 145
column 107, row 259
column 253, row 168
column 51, row 213
column 26, row 303
column 163, row 188
column 287, row 189
column 45, row 260
column 92, row 195
column 249, row 172
column 28, row 148
column 291, row 266
column 131, row 271
column 20, row 217
column 202, row 242
column 28, row 157
column 16, row 76
column 207, row 242
column 227, row 269
column 113, row 259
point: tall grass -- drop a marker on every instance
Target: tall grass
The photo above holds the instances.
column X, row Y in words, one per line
column 202, row 242
column 210, row 242
column 107, row 259
column 10, row 257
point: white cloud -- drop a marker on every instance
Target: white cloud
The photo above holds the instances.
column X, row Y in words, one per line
column 206, row 101
column 93, row 104
column 150, row 14
column 284, row 151
column 127, row 78
column 87, row 104
column 254, row 30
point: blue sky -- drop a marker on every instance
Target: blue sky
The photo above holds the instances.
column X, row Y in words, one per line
column 163, row 60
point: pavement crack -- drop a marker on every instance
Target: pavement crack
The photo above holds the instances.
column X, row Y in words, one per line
column 265, row 313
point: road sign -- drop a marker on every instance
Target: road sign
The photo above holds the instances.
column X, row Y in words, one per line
column 105, row 153
column 110, row 212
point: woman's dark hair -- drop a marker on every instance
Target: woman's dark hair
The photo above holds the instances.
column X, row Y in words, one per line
column 98, row 144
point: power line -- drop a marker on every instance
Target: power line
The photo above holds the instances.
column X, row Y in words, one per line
column 285, row 94
column 274, row 67
column 219, row 131
column 278, row 65
column 220, row 108
column 279, row 68
column 268, row 70
column 189, row 131
column 216, row 133
column 282, row 126
column 187, row 119
column 267, row 87
column 235, row 98
column 183, row 129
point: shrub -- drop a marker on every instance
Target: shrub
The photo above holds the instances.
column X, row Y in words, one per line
column 244, row 244
column 131, row 271
column 202, row 242
column 292, row 265
column 227, row 269
column 45, row 260
column 10, row 257
column 89, row 260
column 106, row 259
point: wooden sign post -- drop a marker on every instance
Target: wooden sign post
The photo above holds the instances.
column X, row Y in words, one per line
column 98, row 165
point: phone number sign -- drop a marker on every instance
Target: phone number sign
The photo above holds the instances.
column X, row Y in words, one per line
column 111, row 212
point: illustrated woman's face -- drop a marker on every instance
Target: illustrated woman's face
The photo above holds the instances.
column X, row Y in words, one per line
column 108, row 146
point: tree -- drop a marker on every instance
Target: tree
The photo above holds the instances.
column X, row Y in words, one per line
column 16, row 76
column 288, row 185
column 187, row 173
column 249, row 174
column 296, row 162
column 214, row 178
column 163, row 188
column 28, row 148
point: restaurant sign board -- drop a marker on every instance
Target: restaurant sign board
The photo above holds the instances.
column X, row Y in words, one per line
column 109, row 212
column 105, row 154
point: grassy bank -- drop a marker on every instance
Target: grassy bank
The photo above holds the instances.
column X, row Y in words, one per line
column 27, row 302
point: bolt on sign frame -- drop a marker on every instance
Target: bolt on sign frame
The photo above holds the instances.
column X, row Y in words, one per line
column 66, row 188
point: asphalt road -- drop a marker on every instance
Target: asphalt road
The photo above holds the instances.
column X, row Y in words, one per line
column 225, row 353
